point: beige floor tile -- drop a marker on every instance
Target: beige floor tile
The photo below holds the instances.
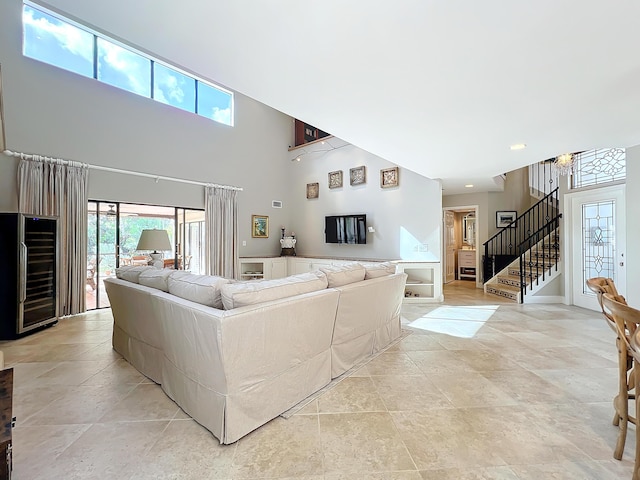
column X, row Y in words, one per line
column 29, row 400
column 417, row 341
column 445, row 362
column 69, row 373
column 117, row 373
column 392, row 363
column 281, row 448
column 441, row 440
column 472, row 390
column 78, row 404
column 143, row 402
column 185, row 451
column 406, row 393
column 353, row 394
column 107, row 450
column 518, row 439
column 362, row 442
column 489, row 473
column 526, row 387
column 588, row 385
column 571, row 471
column 586, row 425
column 36, row 449
column 486, row 360
column 407, row 475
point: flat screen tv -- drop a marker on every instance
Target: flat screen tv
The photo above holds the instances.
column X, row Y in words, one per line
column 349, row 229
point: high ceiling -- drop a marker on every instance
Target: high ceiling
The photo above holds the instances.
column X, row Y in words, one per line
column 440, row 87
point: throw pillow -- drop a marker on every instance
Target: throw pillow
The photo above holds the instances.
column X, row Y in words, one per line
column 156, row 278
column 239, row 294
column 344, row 274
column 203, row 289
column 131, row 274
column 375, row 270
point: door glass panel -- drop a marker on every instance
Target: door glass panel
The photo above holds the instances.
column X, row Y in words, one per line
column 598, row 241
column 107, row 225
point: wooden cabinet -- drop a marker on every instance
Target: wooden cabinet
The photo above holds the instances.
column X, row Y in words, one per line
column 424, row 281
column 262, row 268
column 466, row 264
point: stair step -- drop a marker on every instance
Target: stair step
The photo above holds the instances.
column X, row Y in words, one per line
column 504, row 291
column 509, row 280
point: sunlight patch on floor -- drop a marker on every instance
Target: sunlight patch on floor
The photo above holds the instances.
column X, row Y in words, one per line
column 463, row 322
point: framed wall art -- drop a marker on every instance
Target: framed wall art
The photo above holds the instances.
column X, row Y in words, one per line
column 259, row 226
column 505, row 217
column 389, row 177
column 357, row 175
column 313, row 190
column 335, row 179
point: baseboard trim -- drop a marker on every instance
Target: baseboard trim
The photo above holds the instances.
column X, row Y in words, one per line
column 544, row 299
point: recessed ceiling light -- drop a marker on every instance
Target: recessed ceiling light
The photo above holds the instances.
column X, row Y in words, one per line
column 469, row 185
column 518, row 146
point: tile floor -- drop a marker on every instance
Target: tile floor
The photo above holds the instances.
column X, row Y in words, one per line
column 509, row 392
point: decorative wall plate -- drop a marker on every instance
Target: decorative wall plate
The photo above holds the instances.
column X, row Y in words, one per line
column 335, row 179
column 389, row 177
column 313, row 189
column 357, row 175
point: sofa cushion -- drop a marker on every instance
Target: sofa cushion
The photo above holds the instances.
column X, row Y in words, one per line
column 156, row 278
column 376, row 270
column 249, row 293
column 132, row 274
column 343, row 274
column 203, row 289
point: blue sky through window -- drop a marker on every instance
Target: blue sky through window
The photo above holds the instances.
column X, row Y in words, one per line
column 174, row 88
column 58, row 43
column 214, row 104
column 63, row 44
column 123, row 68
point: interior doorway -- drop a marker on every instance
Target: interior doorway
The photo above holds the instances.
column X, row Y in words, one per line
column 460, row 240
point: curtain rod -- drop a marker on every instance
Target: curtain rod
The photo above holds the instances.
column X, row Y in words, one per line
column 26, row 156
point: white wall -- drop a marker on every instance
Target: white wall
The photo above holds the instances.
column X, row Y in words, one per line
column 407, row 219
column 53, row 112
column 632, row 201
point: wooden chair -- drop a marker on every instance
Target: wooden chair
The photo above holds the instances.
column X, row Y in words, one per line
column 626, row 378
column 627, row 321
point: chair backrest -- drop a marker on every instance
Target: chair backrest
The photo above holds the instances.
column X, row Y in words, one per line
column 600, row 286
column 625, row 317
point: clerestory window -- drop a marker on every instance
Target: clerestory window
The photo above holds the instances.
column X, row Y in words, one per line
column 53, row 39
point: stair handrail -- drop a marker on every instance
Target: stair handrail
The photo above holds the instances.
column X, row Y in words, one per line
column 523, row 284
column 515, row 230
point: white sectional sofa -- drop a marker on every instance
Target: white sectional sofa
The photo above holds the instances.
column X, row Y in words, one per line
column 235, row 355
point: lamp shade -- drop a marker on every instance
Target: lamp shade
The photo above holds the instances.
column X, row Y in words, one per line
column 154, row 240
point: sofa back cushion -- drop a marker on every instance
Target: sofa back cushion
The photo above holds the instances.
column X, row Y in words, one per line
column 343, row 274
column 156, row 278
column 203, row 289
column 131, row 274
column 375, row 270
column 239, row 294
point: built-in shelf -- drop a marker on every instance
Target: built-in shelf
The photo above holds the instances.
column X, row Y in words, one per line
column 424, row 281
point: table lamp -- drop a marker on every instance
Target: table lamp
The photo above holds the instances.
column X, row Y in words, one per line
column 154, row 240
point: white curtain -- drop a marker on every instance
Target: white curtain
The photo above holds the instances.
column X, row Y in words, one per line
column 221, row 217
column 59, row 188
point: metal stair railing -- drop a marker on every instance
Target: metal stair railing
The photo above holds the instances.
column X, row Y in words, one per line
column 504, row 247
column 539, row 241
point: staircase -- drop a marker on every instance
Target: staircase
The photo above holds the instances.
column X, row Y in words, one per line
column 524, row 256
column 530, row 272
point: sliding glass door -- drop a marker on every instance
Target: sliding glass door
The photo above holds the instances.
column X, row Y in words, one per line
column 114, row 231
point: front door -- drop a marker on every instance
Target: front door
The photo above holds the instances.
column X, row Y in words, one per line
column 597, row 241
column 449, row 247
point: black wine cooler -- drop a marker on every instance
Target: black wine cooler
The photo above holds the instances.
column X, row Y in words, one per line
column 28, row 273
